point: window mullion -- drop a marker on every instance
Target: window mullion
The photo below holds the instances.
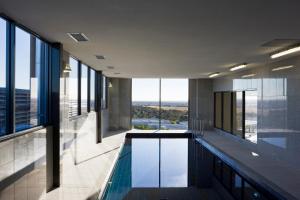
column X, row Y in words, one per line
column 10, row 78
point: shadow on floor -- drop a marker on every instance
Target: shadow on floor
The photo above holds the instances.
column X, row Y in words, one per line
column 97, row 155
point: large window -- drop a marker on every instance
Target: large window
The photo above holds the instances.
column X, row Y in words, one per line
column 84, row 88
column 237, row 107
column 92, row 90
column 2, row 76
column 174, row 104
column 30, row 64
column 73, row 88
column 145, row 103
column 156, row 105
column 104, row 92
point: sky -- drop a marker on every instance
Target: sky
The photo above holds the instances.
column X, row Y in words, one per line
column 147, row 89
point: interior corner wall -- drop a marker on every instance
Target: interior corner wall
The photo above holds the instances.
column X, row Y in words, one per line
column 201, row 101
column 119, row 104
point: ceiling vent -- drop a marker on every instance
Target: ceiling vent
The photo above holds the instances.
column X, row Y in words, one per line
column 78, row 37
column 110, row 67
column 100, row 57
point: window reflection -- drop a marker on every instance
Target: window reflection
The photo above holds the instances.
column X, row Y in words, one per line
column 84, row 87
column 104, row 92
column 29, row 68
column 73, row 87
column 92, row 90
column 227, row 111
column 237, row 106
column 2, row 76
column 218, row 110
column 251, row 116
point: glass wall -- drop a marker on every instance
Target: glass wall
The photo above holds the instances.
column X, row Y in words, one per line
column 236, row 112
column 145, row 103
column 155, row 105
column 237, row 107
column 227, row 111
column 92, row 90
column 251, row 116
column 104, row 92
column 73, row 88
column 84, row 88
column 30, row 64
column 2, row 76
column 174, row 105
column 218, row 110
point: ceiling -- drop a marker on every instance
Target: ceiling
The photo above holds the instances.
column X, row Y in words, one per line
column 162, row 38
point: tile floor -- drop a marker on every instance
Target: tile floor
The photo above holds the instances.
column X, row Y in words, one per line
column 85, row 179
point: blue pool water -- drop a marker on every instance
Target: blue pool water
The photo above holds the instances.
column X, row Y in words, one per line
column 149, row 163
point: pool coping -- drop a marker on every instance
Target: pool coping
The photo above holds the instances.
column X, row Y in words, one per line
column 158, row 135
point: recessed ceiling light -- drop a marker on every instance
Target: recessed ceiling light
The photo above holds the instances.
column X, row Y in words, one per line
column 110, row 67
column 254, row 154
column 78, row 37
column 282, row 68
column 214, row 75
column 238, row 67
column 100, row 57
column 248, row 75
column 286, row 52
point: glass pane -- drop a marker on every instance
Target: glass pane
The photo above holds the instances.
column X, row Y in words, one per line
column 174, row 105
column 104, row 92
column 174, row 169
column 227, row 111
column 145, row 103
column 73, row 87
column 145, row 172
column 226, row 176
column 218, row 110
column 251, row 116
column 29, row 67
column 2, row 76
column 238, row 113
column 236, row 187
column 217, row 167
column 84, row 85
column 92, row 92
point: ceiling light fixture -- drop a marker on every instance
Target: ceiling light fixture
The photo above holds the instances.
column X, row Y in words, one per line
column 282, row 68
column 238, row 67
column 248, row 75
column 67, row 68
column 286, row 52
column 78, row 37
column 214, row 74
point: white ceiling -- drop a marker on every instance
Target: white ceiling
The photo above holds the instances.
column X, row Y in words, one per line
column 162, row 38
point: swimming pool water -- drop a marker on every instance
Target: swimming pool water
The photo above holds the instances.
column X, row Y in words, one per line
column 149, row 163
